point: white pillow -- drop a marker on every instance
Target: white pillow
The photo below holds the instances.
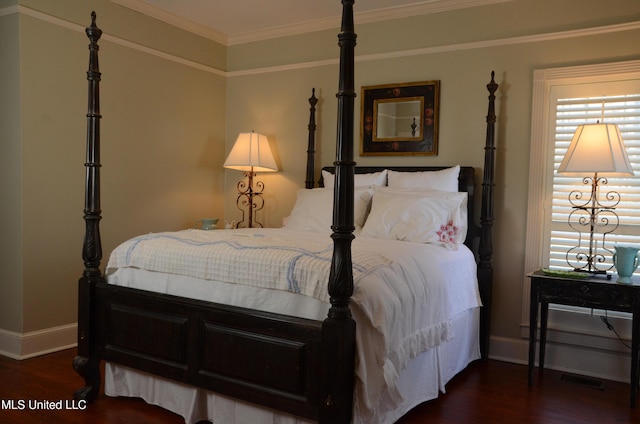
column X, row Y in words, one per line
column 313, row 210
column 444, row 180
column 359, row 180
column 418, row 216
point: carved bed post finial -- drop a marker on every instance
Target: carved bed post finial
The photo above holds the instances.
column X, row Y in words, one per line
column 338, row 329
column 485, row 249
column 86, row 363
column 311, row 147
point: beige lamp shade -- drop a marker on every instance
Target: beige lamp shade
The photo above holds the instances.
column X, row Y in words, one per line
column 596, row 148
column 251, row 152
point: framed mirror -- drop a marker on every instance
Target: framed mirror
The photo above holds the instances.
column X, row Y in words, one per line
column 400, row 119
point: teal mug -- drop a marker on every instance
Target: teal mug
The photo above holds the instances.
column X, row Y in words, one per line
column 625, row 259
column 207, row 223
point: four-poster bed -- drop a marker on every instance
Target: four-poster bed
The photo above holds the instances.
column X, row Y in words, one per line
column 305, row 365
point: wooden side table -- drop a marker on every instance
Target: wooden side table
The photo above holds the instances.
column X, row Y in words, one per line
column 596, row 293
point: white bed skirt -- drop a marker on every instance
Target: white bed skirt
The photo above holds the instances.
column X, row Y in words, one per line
column 423, row 378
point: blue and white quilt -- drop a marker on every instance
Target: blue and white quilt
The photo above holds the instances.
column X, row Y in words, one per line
column 405, row 294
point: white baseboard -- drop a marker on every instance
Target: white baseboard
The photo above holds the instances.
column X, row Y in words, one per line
column 594, row 362
column 35, row 343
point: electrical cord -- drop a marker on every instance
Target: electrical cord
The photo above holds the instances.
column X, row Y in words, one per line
column 605, row 320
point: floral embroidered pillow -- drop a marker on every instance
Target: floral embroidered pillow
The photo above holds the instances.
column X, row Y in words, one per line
column 418, row 216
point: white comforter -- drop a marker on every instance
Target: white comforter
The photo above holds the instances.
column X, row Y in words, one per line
column 404, row 298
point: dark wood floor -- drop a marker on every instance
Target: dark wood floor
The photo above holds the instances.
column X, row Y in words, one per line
column 486, row 392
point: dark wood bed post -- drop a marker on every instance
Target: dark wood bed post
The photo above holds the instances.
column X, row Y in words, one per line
column 86, row 363
column 339, row 329
column 309, row 181
column 485, row 249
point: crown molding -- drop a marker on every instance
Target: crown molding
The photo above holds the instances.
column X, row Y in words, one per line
column 174, row 20
column 397, row 12
column 446, row 48
column 111, row 38
column 629, row 26
column 421, row 8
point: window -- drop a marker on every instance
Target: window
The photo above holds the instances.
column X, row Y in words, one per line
column 564, row 98
column 570, row 111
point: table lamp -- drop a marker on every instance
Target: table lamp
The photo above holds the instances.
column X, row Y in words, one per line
column 250, row 153
column 595, row 149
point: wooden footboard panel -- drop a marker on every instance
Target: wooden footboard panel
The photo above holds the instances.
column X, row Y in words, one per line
column 269, row 359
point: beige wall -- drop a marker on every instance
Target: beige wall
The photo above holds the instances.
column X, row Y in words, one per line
column 163, row 135
column 10, row 177
column 459, row 48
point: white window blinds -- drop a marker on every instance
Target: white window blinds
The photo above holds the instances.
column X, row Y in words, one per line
column 571, row 111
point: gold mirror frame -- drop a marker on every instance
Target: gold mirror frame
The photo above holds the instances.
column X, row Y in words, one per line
column 400, row 119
